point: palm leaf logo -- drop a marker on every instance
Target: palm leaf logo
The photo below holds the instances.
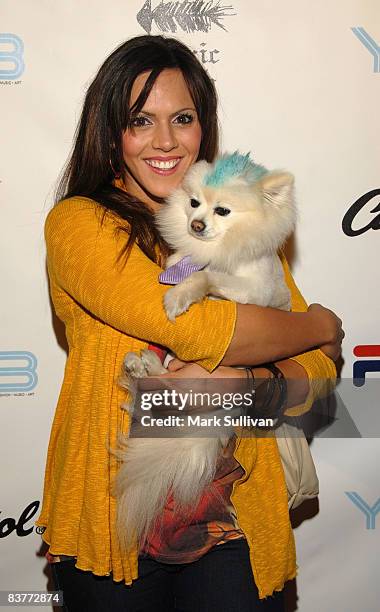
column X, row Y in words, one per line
column 188, row 15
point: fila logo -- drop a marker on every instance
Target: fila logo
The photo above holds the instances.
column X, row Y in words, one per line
column 369, row 512
column 17, row 371
column 11, row 57
column 362, row 366
column 369, row 44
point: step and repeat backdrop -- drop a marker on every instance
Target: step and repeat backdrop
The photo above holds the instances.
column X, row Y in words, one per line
column 299, row 87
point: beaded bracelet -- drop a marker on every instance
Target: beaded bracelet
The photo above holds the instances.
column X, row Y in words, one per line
column 279, row 380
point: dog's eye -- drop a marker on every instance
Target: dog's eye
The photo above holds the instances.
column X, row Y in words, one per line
column 223, row 212
column 194, row 203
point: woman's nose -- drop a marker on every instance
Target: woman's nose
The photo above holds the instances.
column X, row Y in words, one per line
column 164, row 137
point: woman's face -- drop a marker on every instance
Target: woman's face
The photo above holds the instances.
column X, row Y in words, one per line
column 163, row 140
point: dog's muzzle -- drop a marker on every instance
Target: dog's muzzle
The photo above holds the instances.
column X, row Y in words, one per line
column 198, row 226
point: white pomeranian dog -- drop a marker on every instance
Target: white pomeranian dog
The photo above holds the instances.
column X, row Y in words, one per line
column 227, row 222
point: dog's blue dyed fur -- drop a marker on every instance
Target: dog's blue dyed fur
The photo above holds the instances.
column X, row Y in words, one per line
column 232, row 166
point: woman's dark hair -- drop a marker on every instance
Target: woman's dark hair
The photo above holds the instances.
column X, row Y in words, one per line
column 97, row 152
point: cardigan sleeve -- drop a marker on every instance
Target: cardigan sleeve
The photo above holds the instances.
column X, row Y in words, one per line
column 83, row 249
column 320, row 369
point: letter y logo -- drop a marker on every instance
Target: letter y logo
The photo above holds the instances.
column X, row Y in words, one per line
column 370, row 513
column 369, row 44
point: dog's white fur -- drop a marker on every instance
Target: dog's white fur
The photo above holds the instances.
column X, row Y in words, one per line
column 239, row 252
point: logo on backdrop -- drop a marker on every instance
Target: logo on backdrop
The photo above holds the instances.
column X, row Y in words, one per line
column 20, row 525
column 11, row 59
column 362, row 366
column 370, row 45
column 359, row 206
column 18, row 374
column 369, row 512
column 188, row 15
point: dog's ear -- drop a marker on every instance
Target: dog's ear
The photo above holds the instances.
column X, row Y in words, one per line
column 277, row 187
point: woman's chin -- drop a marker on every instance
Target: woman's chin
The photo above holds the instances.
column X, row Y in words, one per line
column 162, row 194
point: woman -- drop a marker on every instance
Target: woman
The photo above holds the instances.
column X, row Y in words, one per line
column 149, row 114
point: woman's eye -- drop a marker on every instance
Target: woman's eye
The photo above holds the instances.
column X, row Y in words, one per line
column 194, row 203
column 139, row 122
column 184, row 118
column 223, row 212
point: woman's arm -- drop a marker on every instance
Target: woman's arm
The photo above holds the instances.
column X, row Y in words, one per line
column 267, row 334
column 296, row 375
column 82, row 262
column 86, row 272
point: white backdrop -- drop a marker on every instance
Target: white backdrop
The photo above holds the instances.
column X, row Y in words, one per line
column 299, row 86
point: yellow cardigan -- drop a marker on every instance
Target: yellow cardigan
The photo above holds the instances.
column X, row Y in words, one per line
column 109, row 310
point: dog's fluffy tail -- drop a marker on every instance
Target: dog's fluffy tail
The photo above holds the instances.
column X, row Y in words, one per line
column 150, row 470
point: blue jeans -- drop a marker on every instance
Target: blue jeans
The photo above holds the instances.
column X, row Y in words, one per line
column 220, row 581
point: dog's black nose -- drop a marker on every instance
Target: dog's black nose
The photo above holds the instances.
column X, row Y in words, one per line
column 198, row 226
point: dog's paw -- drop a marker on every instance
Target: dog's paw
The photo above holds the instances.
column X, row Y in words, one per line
column 282, row 299
column 152, row 363
column 176, row 302
column 286, row 303
column 134, row 365
column 286, row 306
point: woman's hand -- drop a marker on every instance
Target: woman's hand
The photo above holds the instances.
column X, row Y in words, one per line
column 185, row 379
column 326, row 319
column 181, row 369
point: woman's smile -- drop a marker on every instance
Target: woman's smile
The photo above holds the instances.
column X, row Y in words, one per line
column 164, row 166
